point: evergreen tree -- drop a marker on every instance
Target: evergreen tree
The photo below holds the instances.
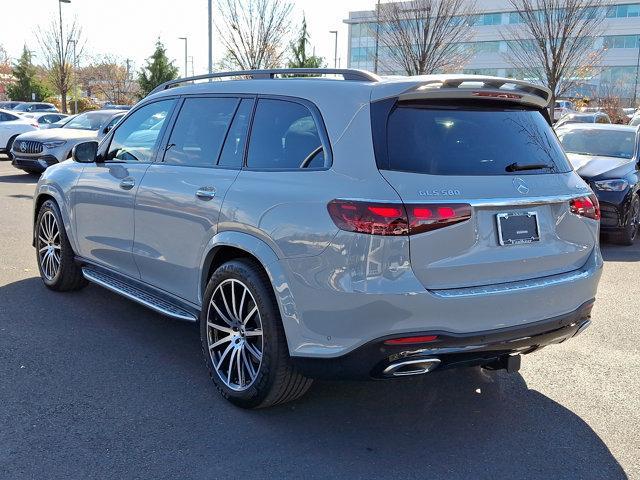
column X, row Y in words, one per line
column 27, row 83
column 299, row 57
column 159, row 69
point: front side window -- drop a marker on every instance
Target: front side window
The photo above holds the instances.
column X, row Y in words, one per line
column 199, row 131
column 284, row 136
column 135, row 139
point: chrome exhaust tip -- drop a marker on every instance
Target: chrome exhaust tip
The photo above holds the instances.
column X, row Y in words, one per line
column 407, row 368
column 586, row 324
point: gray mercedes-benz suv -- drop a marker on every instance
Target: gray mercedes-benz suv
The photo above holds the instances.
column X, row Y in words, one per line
column 351, row 226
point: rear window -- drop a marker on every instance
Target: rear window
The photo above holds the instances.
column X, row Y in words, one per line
column 468, row 141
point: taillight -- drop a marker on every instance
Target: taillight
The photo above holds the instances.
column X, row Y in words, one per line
column 395, row 218
column 371, row 218
column 586, row 207
column 424, row 218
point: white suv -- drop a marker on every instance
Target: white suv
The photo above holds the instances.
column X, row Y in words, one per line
column 12, row 125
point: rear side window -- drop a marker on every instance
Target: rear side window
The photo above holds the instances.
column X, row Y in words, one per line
column 232, row 154
column 200, row 131
column 284, row 136
column 468, row 141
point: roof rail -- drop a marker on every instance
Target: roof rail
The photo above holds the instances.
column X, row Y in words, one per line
column 481, row 87
column 346, row 73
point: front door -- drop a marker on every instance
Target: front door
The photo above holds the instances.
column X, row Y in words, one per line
column 105, row 193
column 179, row 200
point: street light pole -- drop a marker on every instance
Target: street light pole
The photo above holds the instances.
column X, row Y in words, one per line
column 210, row 37
column 335, row 49
column 186, row 57
column 62, row 45
column 75, row 83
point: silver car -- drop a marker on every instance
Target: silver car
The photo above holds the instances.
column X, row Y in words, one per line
column 35, row 151
column 344, row 227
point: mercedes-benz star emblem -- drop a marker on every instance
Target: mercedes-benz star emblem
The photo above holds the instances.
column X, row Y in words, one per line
column 23, row 146
column 520, row 186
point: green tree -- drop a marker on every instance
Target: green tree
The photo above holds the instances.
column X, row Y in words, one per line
column 27, row 82
column 159, row 69
column 299, row 57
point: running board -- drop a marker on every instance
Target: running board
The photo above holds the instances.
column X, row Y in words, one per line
column 138, row 295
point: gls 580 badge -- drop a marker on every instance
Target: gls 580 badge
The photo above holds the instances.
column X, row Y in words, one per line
column 445, row 192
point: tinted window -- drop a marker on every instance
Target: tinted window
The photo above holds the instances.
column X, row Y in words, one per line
column 284, row 135
column 136, row 137
column 5, row 117
column 470, row 141
column 113, row 122
column 234, row 145
column 199, row 131
column 89, row 120
column 606, row 143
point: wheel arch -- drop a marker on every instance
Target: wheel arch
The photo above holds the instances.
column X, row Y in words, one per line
column 229, row 245
column 48, row 192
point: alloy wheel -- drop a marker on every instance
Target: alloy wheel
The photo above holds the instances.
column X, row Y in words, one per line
column 49, row 247
column 634, row 221
column 234, row 334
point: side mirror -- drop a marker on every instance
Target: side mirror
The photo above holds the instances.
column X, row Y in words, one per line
column 85, row 152
column 107, row 129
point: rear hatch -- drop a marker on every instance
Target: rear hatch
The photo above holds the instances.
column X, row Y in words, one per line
column 494, row 176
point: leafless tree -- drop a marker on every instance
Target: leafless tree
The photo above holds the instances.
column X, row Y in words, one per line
column 108, row 77
column 554, row 41
column 424, row 36
column 57, row 45
column 254, row 33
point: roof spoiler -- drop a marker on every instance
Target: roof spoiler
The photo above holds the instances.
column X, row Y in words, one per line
column 480, row 88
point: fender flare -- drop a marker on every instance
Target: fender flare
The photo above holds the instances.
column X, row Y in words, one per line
column 50, row 190
column 269, row 261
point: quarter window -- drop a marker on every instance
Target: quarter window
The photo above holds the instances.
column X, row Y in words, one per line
column 136, row 138
column 284, row 136
column 199, row 132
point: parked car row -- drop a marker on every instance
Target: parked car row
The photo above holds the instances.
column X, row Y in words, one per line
column 34, row 151
column 28, row 106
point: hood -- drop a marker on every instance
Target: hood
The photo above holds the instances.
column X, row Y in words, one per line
column 52, row 134
column 590, row 166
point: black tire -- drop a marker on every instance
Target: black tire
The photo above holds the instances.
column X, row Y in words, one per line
column 68, row 276
column 9, row 145
column 630, row 232
column 276, row 380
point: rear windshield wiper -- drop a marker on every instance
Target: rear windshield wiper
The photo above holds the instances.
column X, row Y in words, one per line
column 519, row 167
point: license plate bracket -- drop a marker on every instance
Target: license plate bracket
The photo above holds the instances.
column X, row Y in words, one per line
column 518, row 228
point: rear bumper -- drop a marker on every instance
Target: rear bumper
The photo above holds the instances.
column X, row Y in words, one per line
column 34, row 164
column 452, row 350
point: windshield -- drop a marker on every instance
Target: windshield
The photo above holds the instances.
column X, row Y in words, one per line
column 472, row 142
column 604, row 143
column 89, row 120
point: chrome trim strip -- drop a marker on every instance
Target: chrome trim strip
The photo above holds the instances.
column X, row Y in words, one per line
column 484, row 202
column 89, row 276
column 513, row 286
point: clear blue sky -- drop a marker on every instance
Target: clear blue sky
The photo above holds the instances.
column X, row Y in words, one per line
column 129, row 28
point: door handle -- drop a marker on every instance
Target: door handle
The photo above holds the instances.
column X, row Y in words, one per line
column 206, row 193
column 127, row 183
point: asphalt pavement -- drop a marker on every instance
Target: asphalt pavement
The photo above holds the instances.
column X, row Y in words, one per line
column 95, row 386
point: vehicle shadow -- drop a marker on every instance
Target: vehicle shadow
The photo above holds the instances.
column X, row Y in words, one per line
column 113, row 390
column 617, row 253
column 20, row 178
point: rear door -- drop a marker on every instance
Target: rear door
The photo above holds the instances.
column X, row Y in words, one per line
column 179, row 200
column 497, row 180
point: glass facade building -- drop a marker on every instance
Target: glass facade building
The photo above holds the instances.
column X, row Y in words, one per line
column 617, row 65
